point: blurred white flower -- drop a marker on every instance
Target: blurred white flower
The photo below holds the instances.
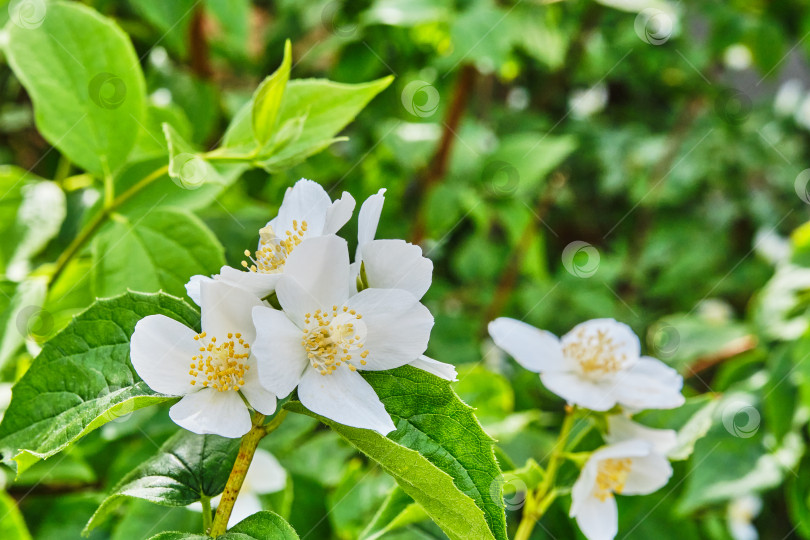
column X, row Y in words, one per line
column 585, row 103
column 210, row 369
column 306, row 212
column 265, row 475
column 788, row 97
column 771, row 246
column 621, row 428
column 737, row 57
column 802, row 114
column 325, row 335
column 162, row 97
column 741, row 514
column 596, row 365
column 625, row 468
column 393, row 264
column 714, row 310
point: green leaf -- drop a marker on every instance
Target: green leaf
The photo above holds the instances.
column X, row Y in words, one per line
column 85, row 81
column 160, row 251
column 397, row 511
column 259, row 526
column 24, row 318
column 267, row 99
column 692, row 420
column 82, row 379
column 187, row 467
column 12, row 524
column 31, row 212
column 439, row 455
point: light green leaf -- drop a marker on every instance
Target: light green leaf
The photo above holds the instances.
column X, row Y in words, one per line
column 259, row 526
column 31, row 213
column 159, row 251
column 85, row 81
column 185, row 468
column 397, row 511
column 82, row 379
column 267, row 99
column 12, row 524
column 439, row 455
column 24, row 318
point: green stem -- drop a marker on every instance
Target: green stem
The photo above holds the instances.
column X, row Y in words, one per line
column 206, row 512
column 99, row 219
column 247, row 449
column 538, row 502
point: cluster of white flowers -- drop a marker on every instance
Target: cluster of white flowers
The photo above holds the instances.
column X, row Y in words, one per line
column 598, row 366
column 335, row 319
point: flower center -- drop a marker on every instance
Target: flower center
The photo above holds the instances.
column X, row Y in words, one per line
column 220, row 365
column 611, row 477
column 274, row 249
column 334, row 338
column 595, row 352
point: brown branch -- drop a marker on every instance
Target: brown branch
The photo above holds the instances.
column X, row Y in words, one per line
column 437, row 168
column 198, row 45
column 511, row 271
column 731, row 349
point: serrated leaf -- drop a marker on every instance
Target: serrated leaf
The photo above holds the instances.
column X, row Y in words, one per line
column 85, row 81
column 159, row 251
column 267, row 99
column 259, row 526
column 83, row 378
column 187, row 467
column 439, row 454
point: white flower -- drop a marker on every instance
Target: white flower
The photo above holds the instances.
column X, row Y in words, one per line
column 626, row 468
column 394, row 264
column 324, row 335
column 596, row 365
column 306, row 212
column 265, row 475
column 621, row 428
column 210, row 369
column 741, row 513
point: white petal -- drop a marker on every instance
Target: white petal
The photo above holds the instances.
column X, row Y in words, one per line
column 369, row 218
column 627, row 347
column 345, row 397
column 258, row 396
column 621, row 428
column 209, row 411
column 647, row 474
column 397, row 327
column 339, row 213
column 265, row 475
column 649, row 384
column 257, row 283
column 583, row 488
column 226, row 308
column 440, row 369
column 578, row 390
column 625, row 449
column 161, row 350
column 246, row 505
column 279, row 355
column 743, row 530
column 396, row 264
column 316, row 276
column 305, row 201
column 535, row 350
column 193, row 287
column 597, row 519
